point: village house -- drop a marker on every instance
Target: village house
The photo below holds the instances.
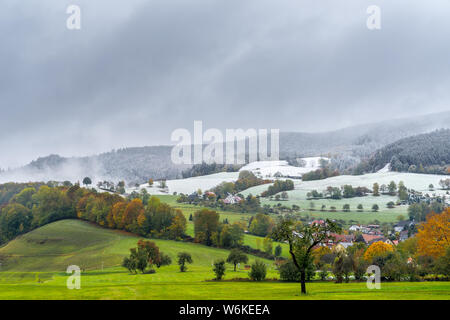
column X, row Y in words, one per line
column 403, row 225
column 232, row 199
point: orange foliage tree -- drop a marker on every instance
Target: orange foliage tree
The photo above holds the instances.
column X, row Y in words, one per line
column 377, row 249
column 131, row 213
column 433, row 236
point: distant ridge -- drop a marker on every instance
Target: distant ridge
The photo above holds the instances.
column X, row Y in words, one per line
column 138, row 164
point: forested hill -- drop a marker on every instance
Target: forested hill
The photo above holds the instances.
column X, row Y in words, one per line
column 424, row 153
column 360, row 141
column 137, row 165
column 130, row 164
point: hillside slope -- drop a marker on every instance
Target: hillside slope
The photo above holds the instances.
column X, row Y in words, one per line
column 416, row 154
column 55, row 246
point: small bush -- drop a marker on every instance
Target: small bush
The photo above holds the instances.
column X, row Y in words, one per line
column 258, row 271
column 289, row 272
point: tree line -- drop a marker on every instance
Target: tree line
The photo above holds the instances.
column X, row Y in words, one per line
column 34, row 205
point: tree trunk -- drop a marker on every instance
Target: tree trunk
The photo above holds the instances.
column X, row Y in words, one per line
column 303, row 281
column 235, row 267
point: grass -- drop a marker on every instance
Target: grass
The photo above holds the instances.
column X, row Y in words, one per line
column 33, row 267
column 169, row 283
column 55, row 246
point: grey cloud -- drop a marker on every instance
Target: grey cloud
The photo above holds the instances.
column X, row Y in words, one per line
column 139, row 69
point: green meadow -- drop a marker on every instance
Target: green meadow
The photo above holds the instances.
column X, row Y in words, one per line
column 33, row 267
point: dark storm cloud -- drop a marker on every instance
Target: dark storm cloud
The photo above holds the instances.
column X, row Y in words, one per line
column 139, row 69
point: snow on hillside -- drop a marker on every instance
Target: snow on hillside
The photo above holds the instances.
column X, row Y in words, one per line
column 418, row 182
column 385, row 169
column 268, row 169
column 262, row 169
column 190, row 185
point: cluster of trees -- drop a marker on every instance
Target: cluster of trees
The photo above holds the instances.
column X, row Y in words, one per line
column 210, row 200
column 108, row 185
column 210, row 231
column 445, row 184
column 214, row 197
column 278, row 186
column 346, row 191
column 426, row 256
column 36, row 205
column 320, row 174
column 419, row 211
column 245, row 180
column 155, row 219
column 144, row 257
column 9, row 190
column 261, row 225
column 424, row 153
column 205, row 169
column 257, row 272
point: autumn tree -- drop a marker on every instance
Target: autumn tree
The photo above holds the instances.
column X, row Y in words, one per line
column 151, row 251
column 376, row 189
column 206, row 223
column 178, row 226
column 145, row 255
column 117, row 214
column 377, row 249
column 302, row 238
column 131, row 213
column 433, row 236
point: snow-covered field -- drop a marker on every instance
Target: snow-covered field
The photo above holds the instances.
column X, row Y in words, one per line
column 262, row 169
column 418, row 182
column 268, row 169
column 189, row 185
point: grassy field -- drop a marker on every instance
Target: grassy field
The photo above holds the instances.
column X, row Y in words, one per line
column 57, row 245
column 169, row 283
column 298, row 196
column 33, row 267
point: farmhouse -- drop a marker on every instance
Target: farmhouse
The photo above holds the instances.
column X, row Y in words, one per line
column 232, row 199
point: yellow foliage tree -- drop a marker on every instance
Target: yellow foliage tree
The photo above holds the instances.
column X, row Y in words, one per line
column 433, row 236
column 319, row 252
column 377, row 249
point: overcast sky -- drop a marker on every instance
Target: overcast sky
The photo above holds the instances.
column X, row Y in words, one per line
column 138, row 69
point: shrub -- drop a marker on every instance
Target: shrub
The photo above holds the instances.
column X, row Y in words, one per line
column 323, row 274
column 164, row 260
column 183, row 258
column 278, row 250
column 289, row 272
column 258, row 271
column 219, row 269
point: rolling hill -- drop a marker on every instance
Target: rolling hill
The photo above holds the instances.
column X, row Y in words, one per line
column 55, row 246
